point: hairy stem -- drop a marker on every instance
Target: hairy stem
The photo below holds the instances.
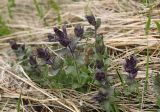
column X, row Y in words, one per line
column 75, row 63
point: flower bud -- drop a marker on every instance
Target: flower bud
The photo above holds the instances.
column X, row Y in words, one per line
column 100, row 97
column 99, row 64
column 78, row 30
column 91, row 19
column 100, row 76
column 131, row 69
column 16, row 46
column 33, row 61
column 62, row 37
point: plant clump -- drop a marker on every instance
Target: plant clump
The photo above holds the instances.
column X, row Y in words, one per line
column 74, row 66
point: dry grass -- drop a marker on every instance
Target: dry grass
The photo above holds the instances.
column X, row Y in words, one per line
column 123, row 23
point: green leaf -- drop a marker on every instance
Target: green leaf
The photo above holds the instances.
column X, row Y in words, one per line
column 45, row 70
column 84, row 78
column 85, row 69
column 70, row 70
column 76, row 85
column 107, row 106
column 55, row 72
column 69, row 61
column 57, row 63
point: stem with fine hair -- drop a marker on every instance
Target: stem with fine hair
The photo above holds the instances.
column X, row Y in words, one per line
column 75, row 63
column 95, row 31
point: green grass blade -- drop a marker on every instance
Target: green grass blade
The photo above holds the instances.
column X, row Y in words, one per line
column 56, row 8
column 147, row 69
column 148, row 24
column 147, row 28
column 39, row 9
column 4, row 29
column 59, row 18
column 145, row 2
column 120, row 78
column 158, row 26
column 19, row 104
column 11, row 3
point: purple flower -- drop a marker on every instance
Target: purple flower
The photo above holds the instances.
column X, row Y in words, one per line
column 99, row 64
column 79, row 30
column 100, row 97
column 33, row 61
column 100, row 76
column 91, row 19
column 62, row 36
column 43, row 53
column 16, row 46
column 130, row 67
column 130, row 64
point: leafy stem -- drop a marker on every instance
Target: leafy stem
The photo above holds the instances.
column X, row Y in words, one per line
column 95, row 31
column 75, row 63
